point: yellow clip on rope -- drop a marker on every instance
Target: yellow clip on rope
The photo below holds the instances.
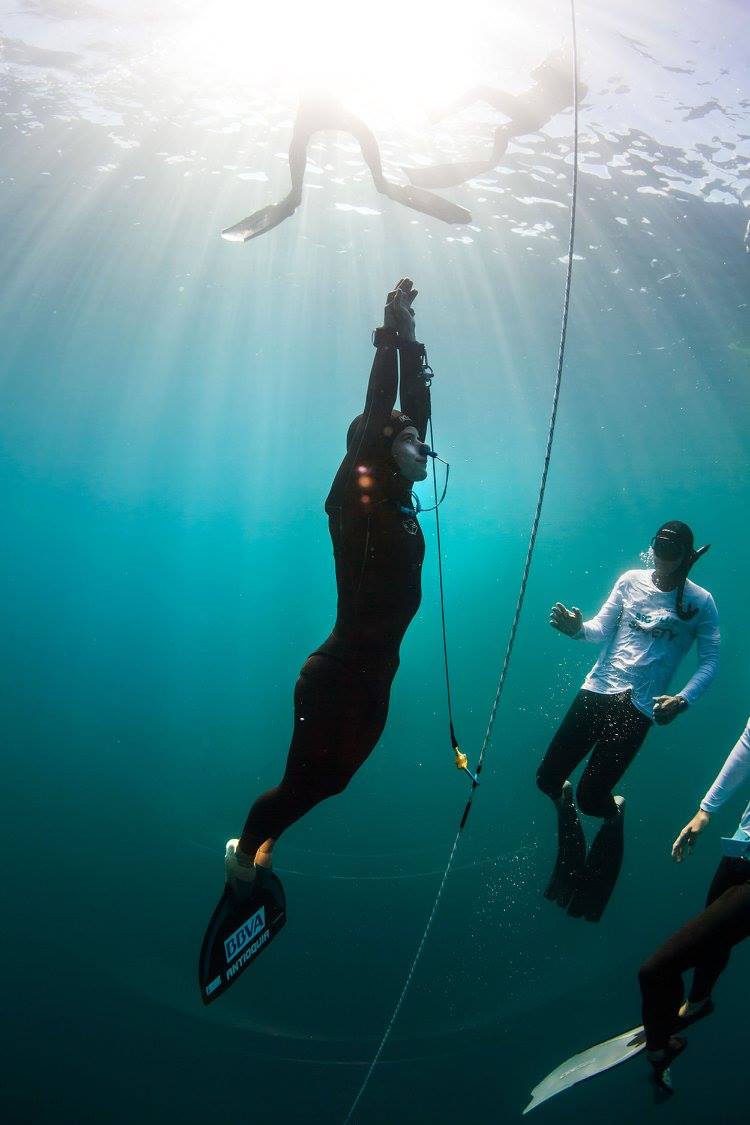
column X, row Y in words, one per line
column 462, row 763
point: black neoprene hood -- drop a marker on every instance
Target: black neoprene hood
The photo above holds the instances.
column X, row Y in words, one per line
column 679, row 533
column 397, row 424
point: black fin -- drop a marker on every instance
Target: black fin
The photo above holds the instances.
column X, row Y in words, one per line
column 239, row 930
column 448, row 175
column 260, row 222
column 601, row 872
column 418, row 199
column 571, row 856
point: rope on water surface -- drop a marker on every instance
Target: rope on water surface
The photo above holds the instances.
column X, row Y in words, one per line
column 521, row 592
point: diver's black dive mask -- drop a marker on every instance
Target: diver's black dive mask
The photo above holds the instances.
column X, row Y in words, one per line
column 667, row 546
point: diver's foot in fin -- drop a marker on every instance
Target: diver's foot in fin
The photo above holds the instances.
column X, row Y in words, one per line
column 239, row 870
column 662, row 1060
column 448, row 175
column 241, row 927
column 694, row 1010
column 258, row 223
column 602, row 868
column 424, row 201
column 264, row 855
column 571, row 851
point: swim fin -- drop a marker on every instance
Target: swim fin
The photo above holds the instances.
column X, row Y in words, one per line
column 448, row 175
column 425, row 202
column 596, row 1060
column 601, row 872
column 258, row 223
column 241, row 927
column 660, row 1071
column 571, row 852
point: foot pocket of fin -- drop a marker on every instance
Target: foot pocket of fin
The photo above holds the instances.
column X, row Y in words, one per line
column 661, row 1073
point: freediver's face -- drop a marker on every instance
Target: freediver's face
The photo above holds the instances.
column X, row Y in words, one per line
column 406, row 452
column 664, row 565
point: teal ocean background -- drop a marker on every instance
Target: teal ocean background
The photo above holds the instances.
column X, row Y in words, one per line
column 172, row 411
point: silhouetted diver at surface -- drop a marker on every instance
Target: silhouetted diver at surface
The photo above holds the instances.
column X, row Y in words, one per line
column 318, row 113
column 551, row 93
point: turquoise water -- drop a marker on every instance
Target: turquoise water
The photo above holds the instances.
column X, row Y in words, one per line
column 173, row 409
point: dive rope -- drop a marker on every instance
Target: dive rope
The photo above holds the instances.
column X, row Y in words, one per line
column 460, row 760
column 521, row 593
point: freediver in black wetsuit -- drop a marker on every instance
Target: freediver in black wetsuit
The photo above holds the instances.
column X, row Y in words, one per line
column 342, row 694
column 341, row 697
column 551, row 93
column 320, row 112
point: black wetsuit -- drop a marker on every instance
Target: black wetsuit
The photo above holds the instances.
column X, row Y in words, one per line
column 342, row 694
column 702, row 944
column 615, row 728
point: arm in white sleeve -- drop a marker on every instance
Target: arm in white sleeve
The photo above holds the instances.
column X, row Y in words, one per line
column 602, row 626
column 708, row 637
column 735, row 770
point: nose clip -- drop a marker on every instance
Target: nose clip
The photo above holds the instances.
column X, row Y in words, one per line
column 424, row 450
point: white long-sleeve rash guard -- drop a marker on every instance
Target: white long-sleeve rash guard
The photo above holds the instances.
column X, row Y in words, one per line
column 646, row 640
column 733, row 773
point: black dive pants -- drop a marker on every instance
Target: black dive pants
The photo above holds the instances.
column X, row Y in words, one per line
column 615, row 728
column 703, row 944
column 339, row 716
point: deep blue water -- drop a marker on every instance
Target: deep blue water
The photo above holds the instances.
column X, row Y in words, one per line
column 173, row 409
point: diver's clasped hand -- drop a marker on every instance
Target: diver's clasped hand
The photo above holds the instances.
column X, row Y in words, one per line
column 568, row 621
column 399, row 314
column 667, row 708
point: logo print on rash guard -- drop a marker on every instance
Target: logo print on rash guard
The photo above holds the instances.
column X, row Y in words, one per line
column 411, row 526
column 657, row 631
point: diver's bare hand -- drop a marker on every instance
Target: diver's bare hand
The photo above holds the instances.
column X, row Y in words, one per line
column 399, row 313
column 667, row 708
column 683, row 845
column 568, row 621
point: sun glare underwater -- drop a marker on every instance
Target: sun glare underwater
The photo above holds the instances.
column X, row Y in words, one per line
column 204, row 209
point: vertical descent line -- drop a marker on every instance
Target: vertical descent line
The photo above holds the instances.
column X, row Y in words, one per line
column 521, row 593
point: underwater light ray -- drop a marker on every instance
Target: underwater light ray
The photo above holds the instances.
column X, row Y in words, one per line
column 334, row 44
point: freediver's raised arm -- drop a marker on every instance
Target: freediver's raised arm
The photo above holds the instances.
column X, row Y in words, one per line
column 414, row 393
column 398, row 330
column 366, row 431
column 379, row 402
